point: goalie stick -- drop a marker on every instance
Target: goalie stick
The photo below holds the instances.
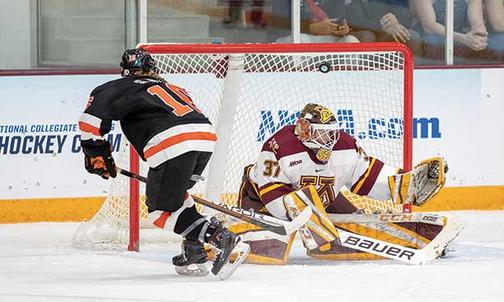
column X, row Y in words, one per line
column 269, row 223
column 428, row 218
column 431, row 251
column 390, row 250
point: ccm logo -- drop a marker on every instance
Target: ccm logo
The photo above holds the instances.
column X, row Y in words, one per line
column 396, row 217
column 379, row 247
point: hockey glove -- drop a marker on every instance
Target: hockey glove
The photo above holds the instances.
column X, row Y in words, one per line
column 98, row 158
column 421, row 184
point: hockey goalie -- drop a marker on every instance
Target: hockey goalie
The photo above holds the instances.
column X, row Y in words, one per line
column 307, row 165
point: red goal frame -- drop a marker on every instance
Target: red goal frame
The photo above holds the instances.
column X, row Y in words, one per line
column 165, row 48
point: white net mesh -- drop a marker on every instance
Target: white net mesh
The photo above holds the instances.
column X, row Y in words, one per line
column 249, row 96
column 109, row 227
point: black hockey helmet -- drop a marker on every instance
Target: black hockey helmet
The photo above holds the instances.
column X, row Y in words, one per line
column 137, row 59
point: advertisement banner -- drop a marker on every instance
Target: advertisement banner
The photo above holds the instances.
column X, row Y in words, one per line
column 457, row 114
column 40, row 154
column 462, row 121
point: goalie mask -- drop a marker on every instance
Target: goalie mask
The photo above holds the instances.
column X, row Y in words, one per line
column 134, row 60
column 318, row 130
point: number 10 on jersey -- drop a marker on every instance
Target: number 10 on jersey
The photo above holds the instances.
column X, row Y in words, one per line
column 175, row 97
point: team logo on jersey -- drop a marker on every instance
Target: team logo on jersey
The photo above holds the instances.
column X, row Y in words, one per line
column 274, row 146
column 323, row 184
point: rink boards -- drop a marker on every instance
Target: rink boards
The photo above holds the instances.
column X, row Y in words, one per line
column 457, row 114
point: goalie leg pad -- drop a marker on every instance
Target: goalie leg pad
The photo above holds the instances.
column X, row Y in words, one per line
column 265, row 247
column 421, row 184
column 319, row 229
column 426, row 232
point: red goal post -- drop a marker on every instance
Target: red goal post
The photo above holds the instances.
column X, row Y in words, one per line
column 249, row 90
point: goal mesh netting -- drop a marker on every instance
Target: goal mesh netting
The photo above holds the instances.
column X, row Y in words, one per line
column 250, row 91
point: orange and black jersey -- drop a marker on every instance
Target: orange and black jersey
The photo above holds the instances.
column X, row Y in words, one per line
column 159, row 119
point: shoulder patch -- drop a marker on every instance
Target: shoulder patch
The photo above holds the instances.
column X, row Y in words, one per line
column 273, row 145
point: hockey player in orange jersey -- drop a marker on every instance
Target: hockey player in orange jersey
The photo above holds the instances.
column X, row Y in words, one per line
column 176, row 139
column 315, row 154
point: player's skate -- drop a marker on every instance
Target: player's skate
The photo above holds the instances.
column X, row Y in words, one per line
column 192, row 260
column 226, row 244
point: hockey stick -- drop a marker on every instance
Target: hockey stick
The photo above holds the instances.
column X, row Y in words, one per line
column 428, row 218
column 413, row 256
column 269, row 223
column 431, row 251
column 390, row 250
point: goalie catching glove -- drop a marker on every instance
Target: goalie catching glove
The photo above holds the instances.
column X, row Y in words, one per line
column 421, row 184
column 98, row 158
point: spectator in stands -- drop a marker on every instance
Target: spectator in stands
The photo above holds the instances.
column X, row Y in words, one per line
column 235, row 8
column 366, row 20
column 382, row 21
column 257, row 13
column 322, row 22
column 494, row 10
column 469, row 43
column 234, row 11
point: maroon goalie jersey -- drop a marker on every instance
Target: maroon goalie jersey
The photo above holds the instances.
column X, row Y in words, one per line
column 285, row 165
column 159, row 119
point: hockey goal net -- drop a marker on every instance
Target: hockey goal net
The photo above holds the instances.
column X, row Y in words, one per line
column 249, row 91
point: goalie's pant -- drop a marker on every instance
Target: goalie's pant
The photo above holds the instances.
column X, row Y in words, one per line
column 169, row 204
column 269, row 248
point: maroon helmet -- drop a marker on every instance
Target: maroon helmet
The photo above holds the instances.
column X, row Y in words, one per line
column 317, row 129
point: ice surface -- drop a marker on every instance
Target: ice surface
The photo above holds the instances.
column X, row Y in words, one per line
column 38, row 263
